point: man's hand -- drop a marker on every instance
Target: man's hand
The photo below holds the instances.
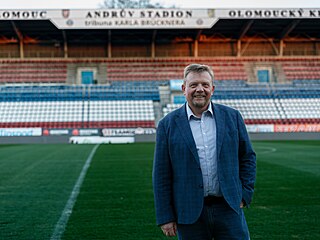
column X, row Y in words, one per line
column 169, row 229
column 242, row 204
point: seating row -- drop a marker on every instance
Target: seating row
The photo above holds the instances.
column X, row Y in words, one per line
column 55, row 70
column 266, row 109
column 74, row 113
column 112, row 91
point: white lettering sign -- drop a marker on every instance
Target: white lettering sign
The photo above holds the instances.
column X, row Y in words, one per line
column 150, row 18
column 19, row 132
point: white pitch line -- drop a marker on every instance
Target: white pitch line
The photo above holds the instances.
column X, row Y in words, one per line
column 268, row 150
column 63, row 220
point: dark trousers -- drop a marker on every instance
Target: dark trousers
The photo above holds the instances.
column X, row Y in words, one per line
column 217, row 221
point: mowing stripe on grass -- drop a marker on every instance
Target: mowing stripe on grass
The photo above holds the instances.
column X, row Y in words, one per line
column 63, row 220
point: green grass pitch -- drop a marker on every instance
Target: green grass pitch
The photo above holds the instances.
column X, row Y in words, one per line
column 116, row 200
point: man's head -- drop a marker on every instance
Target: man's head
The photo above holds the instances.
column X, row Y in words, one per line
column 198, row 86
column 197, row 68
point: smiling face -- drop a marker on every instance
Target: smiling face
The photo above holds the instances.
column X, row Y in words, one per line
column 198, row 89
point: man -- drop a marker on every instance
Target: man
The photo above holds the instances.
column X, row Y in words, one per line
column 204, row 166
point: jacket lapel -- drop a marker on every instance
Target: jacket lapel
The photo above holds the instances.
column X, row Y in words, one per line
column 220, row 126
column 185, row 130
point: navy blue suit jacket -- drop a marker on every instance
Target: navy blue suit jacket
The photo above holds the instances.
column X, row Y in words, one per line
column 177, row 177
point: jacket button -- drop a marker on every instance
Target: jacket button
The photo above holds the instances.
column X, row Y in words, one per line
column 200, row 186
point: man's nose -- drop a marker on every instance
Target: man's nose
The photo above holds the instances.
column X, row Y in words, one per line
column 199, row 88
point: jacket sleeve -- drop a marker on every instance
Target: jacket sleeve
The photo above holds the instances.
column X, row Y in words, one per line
column 247, row 162
column 162, row 178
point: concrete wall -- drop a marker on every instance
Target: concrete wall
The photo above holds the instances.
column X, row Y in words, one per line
column 152, row 137
column 286, row 136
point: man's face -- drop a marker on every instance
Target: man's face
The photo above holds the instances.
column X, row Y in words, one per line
column 198, row 89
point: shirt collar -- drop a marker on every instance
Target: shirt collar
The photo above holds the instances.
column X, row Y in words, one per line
column 190, row 113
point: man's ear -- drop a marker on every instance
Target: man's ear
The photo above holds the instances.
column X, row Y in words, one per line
column 213, row 88
column 183, row 88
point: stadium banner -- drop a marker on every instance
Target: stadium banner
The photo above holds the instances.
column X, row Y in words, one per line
column 276, row 13
column 71, row 132
column 118, row 18
column 55, row 132
column 20, row 132
column 151, row 18
column 127, row 131
column 260, row 128
column 86, row 132
column 297, row 128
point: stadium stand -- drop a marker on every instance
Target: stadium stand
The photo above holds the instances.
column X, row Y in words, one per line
column 259, row 103
column 158, row 69
column 294, row 103
column 78, row 106
column 33, row 71
column 41, row 70
column 166, row 69
column 301, row 69
column 91, row 106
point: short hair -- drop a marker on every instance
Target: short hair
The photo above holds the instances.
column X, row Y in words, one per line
column 198, row 68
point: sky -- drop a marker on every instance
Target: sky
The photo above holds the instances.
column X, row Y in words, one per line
column 94, row 4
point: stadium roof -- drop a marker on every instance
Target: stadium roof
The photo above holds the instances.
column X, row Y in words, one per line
column 33, row 28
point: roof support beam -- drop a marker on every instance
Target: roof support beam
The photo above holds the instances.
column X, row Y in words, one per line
column 65, row 44
column 153, row 44
column 281, row 48
column 242, row 33
column 196, row 44
column 20, row 37
column 198, row 34
column 245, row 29
column 109, row 44
column 276, row 50
column 286, row 31
column 239, row 48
